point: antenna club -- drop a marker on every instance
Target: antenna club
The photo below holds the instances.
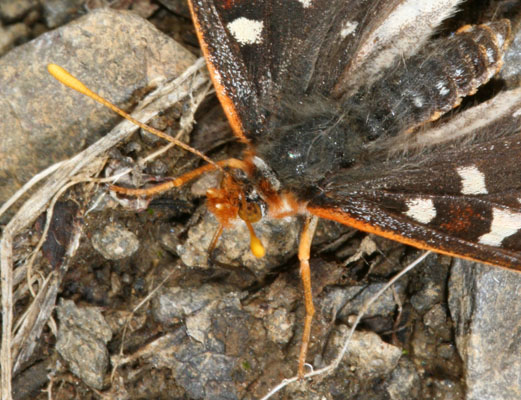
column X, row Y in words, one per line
column 67, row 79
column 257, row 248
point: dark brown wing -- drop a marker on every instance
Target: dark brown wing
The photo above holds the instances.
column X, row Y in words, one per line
column 464, row 202
column 261, row 52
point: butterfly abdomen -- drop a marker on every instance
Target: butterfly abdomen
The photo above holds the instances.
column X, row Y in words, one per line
column 435, row 80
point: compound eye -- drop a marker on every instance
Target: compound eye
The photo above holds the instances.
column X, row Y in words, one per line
column 249, row 211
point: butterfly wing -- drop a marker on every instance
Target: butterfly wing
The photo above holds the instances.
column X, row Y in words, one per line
column 464, row 202
column 260, row 52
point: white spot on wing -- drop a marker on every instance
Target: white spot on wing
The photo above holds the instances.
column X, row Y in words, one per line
column 418, row 101
column 421, row 210
column 306, row 3
column 440, row 85
column 504, row 224
column 246, row 31
column 472, row 180
column 348, row 28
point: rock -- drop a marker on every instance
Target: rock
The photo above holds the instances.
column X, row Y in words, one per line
column 81, row 341
column 427, row 297
column 15, row 9
column 485, row 304
column 436, row 320
column 177, row 302
column 279, row 237
column 177, row 6
column 115, row 242
column 367, row 354
column 204, row 357
column 42, row 121
column 11, row 34
column 354, row 297
column 405, row 381
column 279, row 325
column 58, row 12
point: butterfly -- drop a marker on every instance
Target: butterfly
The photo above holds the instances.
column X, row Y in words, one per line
column 333, row 101
column 320, row 144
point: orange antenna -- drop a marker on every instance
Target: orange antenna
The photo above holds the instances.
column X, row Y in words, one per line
column 67, row 79
column 248, row 212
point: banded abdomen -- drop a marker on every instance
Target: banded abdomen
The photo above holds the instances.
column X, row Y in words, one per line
column 433, row 81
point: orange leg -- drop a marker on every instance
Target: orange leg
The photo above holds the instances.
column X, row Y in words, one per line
column 303, row 255
column 163, row 187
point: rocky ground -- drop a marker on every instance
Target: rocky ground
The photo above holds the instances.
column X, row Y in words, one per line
column 125, row 302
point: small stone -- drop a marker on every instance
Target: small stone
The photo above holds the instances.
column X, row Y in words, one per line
column 279, row 237
column 279, row 325
column 15, row 9
column 426, row 298
column 81, row 341
column 12, row 34
column 115, row 242
column 355, row 297
column 58, row 12
column 206, row 181
column 405, row 381
column 446, row 389
column 436, row 317
column 447, row 351
column 367, row 354
column 157, row 167
column 178, row 302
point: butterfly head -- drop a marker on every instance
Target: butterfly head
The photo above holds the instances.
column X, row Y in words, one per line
column 237, row 198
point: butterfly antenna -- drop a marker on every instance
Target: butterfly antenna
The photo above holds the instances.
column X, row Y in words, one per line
column 67, row 79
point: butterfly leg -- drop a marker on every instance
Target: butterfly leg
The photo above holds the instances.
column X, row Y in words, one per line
column 305, row 274
column 163, row 187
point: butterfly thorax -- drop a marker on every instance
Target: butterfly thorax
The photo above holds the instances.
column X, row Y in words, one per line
column 303, row 153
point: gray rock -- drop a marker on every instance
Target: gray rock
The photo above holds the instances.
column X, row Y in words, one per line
column 279, row 325
column 354, row 298
column 42, row 121
column 81, row 341
column 177, row 302
column 204, row 356
column 16, row 9
column 405, row 381
column 436, row 320
column 10, row 34
column 279, row 237
column 58, row 12
column 367, row 354
column 485, row 304
column 115, row 242
column 427, row 297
